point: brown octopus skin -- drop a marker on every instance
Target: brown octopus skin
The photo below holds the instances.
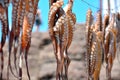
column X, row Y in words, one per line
column 51, row 22
column 98, row 53
column 13, row 37
column 88, row 38
column 27, row 29
column 51, row 19
column 61, row 38
column 95, row 46
column 110, row 45
column 105, row 24
column 71, row 19
column 99, row 43
column 3, row 18
column 59, row 33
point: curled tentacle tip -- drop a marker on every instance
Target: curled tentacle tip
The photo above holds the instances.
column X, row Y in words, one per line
column 106, row 16
column 89, row 10
column 38, row 12
column 71, row 0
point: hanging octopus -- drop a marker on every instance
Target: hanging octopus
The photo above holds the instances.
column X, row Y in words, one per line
column 118, row 26
column 105, row 24
column 96, row 56
column 4, row 22
column 61, row 24
column 89, row 22
column 23, row 17
column 110, row 45
column 53, row 16
column 14, row 35
column 95, row 46
column 71, row 19
column 29, row 17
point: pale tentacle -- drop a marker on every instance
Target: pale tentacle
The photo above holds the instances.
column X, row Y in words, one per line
column 3, row 18
column 53, row 16
column 13, row 38
column 61, row 37
column 110, row 45
column 71, row 20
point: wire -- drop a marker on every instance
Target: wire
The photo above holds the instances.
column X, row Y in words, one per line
column 117, row 7
column 90, row 4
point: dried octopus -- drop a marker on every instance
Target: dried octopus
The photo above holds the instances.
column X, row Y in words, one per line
column 29, row 17
column 4, row 22
column 71, row 18
column 110, row 43
column 22, row 22
column 61, row 24
column 118, row 26
column 105, row 24
column 52, row 20
column 94, row 46
column 89, row 21
column 14, row 35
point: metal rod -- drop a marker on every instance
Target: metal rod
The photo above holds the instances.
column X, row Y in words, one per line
column 115, row 5
column 109, row 7
column 101, row 6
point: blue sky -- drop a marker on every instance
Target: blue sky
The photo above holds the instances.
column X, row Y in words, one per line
column 79, row 9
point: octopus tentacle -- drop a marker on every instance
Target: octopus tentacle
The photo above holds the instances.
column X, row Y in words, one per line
column 94, row 45
column 71, row 23
column 89, row 26
column 53, row 15
column 1, row 47
column 17, row 32
column 98, row 23
column 97, row 54
column 110, row 45
column 105, row 24
column 71, row 19
column 24, row 43
column 4, row 33
column 21, row 10
column 27, row 29
column 61, row 30
column 14, row 34
column 61, row 37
